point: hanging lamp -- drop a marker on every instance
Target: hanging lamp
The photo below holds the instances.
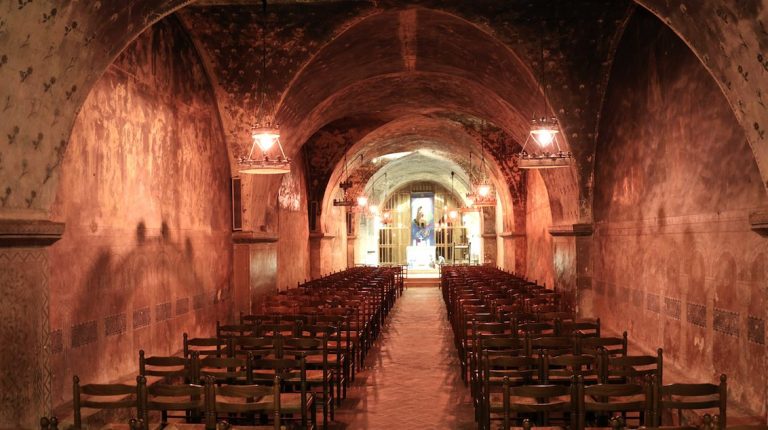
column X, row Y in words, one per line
column 373, row 205
column 345, row 185
column 386, row 213
column 443, row 221
column 266, row 156
column 453, row 214
column 485, row 195
column 449, row 215
column 543, row 148
column 472, row 194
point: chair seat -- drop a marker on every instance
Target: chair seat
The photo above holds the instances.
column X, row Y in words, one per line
column 318, row 359
column 289, row 402
column 528, row 404
column 624, row 403
column 343, row 344
column 163, row 403
column 189, row 426
column 314, row 376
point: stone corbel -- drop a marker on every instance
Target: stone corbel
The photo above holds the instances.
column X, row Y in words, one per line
column 246, row 237
column 23, row 233
column 512, row 234
column 318, row 235
column 758, row 221
column 571, row 230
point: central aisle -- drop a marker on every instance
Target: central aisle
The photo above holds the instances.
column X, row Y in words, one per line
column 412, row 378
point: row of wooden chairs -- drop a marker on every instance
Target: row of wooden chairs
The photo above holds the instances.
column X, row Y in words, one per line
column 500, row 336
column 308, row 357
column 579, row 405
column 210, row 402
column 241, row 362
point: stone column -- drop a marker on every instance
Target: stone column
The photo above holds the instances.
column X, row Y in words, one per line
column 351, row 244
column 514, row 245
column 572, row 254
column 255, row 271
column 25, row 373
column 319, row 249
column 488, row 228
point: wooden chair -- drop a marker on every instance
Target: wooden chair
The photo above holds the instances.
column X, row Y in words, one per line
column 630, row 368
column 560, row 369
column 481, row 332
column 333, row 327
column 258, row 347
column 168, row 368
column 539, row 401
column 275, row 328
column 225, row 370
column 297, row 395
column 185, row 398
column 692, row 397
column 224, row 331
column 554, row 345
column 599, row 399
column 614, row 346
column 537, row 329
column 321, row 376
column 465, row 342
column 341, row 318
column 497, row 367
column 242, row 403
column 205, row 346
column 492, row 346
column 587, row 328
column 102, row 396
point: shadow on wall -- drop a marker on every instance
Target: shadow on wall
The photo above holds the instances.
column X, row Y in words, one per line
column 155, row 269
column 145, row 299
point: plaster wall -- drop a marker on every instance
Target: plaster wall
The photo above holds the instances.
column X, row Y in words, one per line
column 144, row 193
column 538, row 219
column 675, row 261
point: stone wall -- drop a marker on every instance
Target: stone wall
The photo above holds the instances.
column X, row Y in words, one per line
column 144, row 193
column 675, row 260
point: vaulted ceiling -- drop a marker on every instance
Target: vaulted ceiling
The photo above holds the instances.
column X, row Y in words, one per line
column 339, row 70
column 369, row 78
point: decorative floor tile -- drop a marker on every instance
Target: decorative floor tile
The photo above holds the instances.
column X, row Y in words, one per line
column 411, row 380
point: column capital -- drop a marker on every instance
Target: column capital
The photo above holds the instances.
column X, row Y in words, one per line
column 758, row 221
column 571, row 230
column 26, row 233
column 246, row 237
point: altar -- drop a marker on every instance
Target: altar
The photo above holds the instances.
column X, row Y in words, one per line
column 420, row 256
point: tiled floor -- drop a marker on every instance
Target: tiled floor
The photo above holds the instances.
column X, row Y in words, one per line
column 411, row 380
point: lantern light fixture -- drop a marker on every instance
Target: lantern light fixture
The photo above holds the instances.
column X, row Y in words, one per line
column 345, row 185
column 543, row 148
column 482, row 193
column 386, row 213
column 266, row 135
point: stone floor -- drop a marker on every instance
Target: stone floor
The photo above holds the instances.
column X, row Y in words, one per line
column 411, row 378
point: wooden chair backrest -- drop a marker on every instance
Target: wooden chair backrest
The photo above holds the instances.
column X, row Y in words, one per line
column 694, row 397
column 101, row 396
